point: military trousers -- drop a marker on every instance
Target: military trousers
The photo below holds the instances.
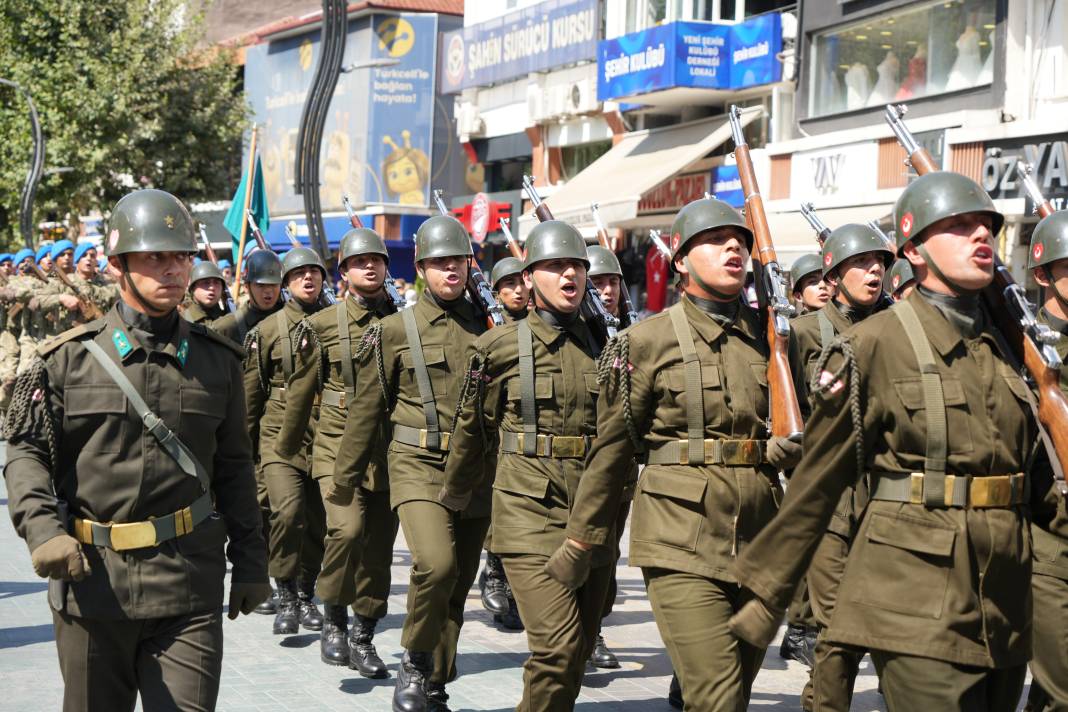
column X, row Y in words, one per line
column 358, row 551
column 913, row 683
column 173, row 663
column 264, row 502
column 298, row 523
column 446, row 550
column 561, row 626
column 715, row 669
column 835, row 667
column 9, row 365
column 1049, row 663
column 613, row 589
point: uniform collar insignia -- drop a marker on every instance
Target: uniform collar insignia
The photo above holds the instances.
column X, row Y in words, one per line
column 122, row 344
column 183, row 351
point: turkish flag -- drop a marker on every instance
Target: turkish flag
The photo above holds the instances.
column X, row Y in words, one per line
column 656, row 279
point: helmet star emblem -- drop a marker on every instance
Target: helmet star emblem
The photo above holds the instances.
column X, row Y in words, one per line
column 168, row 220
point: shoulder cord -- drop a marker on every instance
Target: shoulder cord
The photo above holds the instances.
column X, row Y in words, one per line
column 819, row 385
column 613, row 371
column 303, row 330
column 372, row 341
column 18, row 419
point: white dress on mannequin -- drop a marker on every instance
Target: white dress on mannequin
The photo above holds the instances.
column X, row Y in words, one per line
column 858, row 86
column 966, row 68
column 986, row 74
column 887, row 84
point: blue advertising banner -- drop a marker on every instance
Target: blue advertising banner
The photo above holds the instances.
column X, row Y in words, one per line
column 703, row 55
column 727, row 186
column 550, row 34
column 377, row 142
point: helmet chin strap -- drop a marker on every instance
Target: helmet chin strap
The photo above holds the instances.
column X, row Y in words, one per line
column 933, row 266
column 705, row 285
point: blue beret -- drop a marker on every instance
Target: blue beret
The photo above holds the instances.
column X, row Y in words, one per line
column 23, row 254
column 223, row 264
column 81, row 249
column 60, row 247
column 44, row 251
column 5, row 257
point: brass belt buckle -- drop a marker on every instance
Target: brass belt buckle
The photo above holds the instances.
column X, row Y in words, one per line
column 991, row 492
column 442, row 436
column 568, row 446
column 135, row 535
column 737, row 452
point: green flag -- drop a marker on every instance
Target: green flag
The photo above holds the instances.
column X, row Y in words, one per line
column 258, row 207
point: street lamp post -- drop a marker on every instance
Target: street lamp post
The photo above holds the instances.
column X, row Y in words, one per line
column 33, row 176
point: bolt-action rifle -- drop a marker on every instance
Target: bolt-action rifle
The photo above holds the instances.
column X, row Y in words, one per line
column 771, row 292
column 1030, row 341
column 209, row 252
column 609, row 325
column 478, row 286
column 389, row 284
column 513, row 244
column 820, row 228
column 624, row 294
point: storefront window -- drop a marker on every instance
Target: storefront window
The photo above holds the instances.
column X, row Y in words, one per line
column 922, row 50
column 575, row 158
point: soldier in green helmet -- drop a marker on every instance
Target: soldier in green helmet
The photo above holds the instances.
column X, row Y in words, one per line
column 533, row 400
column 922, row 401
column 298, row 520
column 506, row 278
column 419, row 359
column 206, row 289
column 900, row 280
column 810, row 290
column 854, row 258
column 360, row 530
column 133, row 526
column 1048, row 262
column 694, row 407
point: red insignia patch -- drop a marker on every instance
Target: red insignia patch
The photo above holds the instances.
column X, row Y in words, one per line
column 113, row 239
column 826, row 378
column 906, row 224
column 675, row 241
column 1037, row 252
column 896, row 280
column 827, row 259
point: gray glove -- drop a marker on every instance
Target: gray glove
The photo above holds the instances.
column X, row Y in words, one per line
column 757, row 623
column 453, row 502
column 783, row 453
column 61, row 557
column 569, row 565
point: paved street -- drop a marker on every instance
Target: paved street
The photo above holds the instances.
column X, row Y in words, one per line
column 263, row 672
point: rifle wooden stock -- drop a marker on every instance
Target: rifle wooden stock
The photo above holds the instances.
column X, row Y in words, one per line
column 785, row 412
column 543, row 213
column 90, row 310
column 922, row 161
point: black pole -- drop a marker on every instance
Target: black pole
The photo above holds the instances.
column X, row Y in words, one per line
column 33, row 177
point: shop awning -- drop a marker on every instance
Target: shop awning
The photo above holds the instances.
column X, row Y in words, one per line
column 641, row 161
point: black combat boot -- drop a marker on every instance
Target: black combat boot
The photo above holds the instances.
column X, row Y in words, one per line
column 675, row 692
column 310, row 617
column 287, row 620
column 333, row 642
column 363, row 657
column 410, row 693
column 492, row 583
column 268, row 607
column 602, row 657
column 511, row 619
column 437, row 700
column 793, row 640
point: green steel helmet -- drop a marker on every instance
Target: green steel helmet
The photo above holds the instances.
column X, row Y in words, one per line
column 1049, row 241
column 302, row 257
column 361, row 241
column 263, row 267
column 505, row 267
column 803, row 266
column 939, row 195
column 899, row 275
column 442, row 236
column 603, row 261
column 150, row 221
column 853, row 239
column 555, row 240
column 701, row 215
column 205, row 269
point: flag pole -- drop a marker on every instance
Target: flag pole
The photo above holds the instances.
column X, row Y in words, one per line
column 244, row 213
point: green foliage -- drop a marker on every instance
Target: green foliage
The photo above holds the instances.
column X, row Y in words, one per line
column 123, row 92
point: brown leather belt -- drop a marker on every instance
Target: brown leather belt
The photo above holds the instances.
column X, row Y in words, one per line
column 718, row 451
column 984, row 492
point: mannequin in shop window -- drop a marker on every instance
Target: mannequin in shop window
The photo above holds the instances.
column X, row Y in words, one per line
column 965, row 70
column 887, row 84
column 986, row 75
column 915, row 84
column 858, row 86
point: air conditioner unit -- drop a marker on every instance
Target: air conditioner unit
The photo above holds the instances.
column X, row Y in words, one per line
column 535, row 104
column 582, row 97
column 469, row 121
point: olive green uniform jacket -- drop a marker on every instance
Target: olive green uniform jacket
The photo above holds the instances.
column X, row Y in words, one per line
column 265, row 383
column 109, row 469
column 197, row 314
column 689, row 518
column 532, row 495
column 319, row 371
column 448, row 339
column 236, row 325
column 945, row 583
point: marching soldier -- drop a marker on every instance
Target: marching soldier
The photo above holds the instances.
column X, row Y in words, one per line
column 421, row 357
column 1048, row 260
column 607, row 276
column 507, row 281
column 359, row 533
column 9, row 329
column 811, row 292
column 206, row 290
column 297, row 518
column 43, row 258
column 900, row 281
column 7, row 265
column 855, row 259
column 688, row 388
column 129, row 523
column 62, row 303
column 88, row 278
column 535, row 381
column 923, row 400
column 29, row 290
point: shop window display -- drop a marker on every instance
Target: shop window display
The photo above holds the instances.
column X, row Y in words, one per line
column 918, row 51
